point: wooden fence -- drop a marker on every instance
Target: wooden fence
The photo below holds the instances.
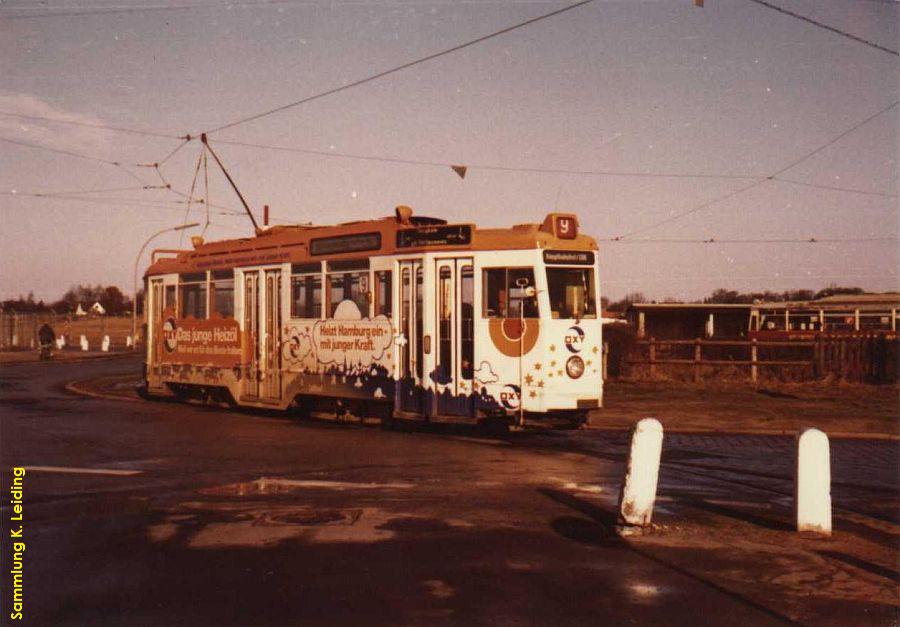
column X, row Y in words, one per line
column 859, row 358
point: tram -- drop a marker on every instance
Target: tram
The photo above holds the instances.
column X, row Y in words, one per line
column 405, row 316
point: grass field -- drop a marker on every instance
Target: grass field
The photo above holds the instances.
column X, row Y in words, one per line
column 118, row 328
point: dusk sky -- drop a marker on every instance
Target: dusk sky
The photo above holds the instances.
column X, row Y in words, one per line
column 584, row 112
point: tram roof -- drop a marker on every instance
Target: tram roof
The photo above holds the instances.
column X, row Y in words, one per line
column 402, row 233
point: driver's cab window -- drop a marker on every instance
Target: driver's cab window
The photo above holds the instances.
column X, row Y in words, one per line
column 509, row 293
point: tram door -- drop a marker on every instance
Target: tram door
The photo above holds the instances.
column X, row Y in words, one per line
column 454, row 337
column 409, row 386
column 154, row 323
column 271, row 348
column 251, row 334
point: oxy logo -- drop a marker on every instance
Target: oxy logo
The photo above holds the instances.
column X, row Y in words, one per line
column 509, row 396
column 170, row 335
column 574, row 339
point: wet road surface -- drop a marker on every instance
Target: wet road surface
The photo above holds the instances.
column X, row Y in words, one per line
column 142, row 513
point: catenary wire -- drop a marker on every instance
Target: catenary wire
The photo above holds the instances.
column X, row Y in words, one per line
column 398, row 68
column 104, row 127
column 715, row 240
column 447, row 164
column 819, row 24
column 760, row 181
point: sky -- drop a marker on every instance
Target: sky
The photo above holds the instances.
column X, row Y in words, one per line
column 656, row 121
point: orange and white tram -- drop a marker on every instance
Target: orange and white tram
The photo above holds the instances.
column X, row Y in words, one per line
column 406, row 314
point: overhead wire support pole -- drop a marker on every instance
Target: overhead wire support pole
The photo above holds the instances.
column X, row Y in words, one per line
column 233, row 186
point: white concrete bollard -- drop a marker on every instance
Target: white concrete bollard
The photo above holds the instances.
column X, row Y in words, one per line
column 812, row 483
column 15, row 339
column 639, row 487
column 60, row 342
column 128, row 342
column 84, row 343
column 105, row 345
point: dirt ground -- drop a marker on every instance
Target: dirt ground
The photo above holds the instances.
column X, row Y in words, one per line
column 834, row 408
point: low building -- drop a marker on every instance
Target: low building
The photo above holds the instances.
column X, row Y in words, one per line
column 842, row 314
column 683, row 321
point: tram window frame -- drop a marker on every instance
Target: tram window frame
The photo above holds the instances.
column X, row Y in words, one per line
column 445, row 321
column 307, row 276
column 383, row 293
column 349, row 272
column 589, row 296
column 500, row 295
column 467, row 321
column 193, row 295
column 221, row 282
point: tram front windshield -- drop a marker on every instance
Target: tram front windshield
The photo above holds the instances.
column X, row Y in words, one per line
column 571, row 292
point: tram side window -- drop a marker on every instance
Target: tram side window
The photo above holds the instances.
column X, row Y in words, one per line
column 348, row 280
column 506, row 293
column 306, row 290
column 170, row 297
column 222, row 286
column 383, row 285
column 193, row 295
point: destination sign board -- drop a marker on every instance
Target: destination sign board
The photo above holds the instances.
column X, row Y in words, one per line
column 444, row 235
column 354, row 243
column 569, row 257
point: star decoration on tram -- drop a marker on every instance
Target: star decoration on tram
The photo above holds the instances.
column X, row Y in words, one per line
column 537, row 366
column 540, row 383
column 532, row 394
column 528, row 379
column 595, row 350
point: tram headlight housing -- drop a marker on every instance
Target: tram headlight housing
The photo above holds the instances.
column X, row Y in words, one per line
column 575, row 367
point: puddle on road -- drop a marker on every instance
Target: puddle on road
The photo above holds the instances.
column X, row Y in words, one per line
column 215, row 525
column 260, row 522
column 268, row 486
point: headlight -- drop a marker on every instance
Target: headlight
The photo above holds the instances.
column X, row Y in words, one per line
column 575, row 367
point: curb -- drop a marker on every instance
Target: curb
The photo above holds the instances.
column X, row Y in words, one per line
column 839, row 435
column 74, row 387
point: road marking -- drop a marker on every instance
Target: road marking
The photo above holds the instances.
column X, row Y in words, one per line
column 83, row 471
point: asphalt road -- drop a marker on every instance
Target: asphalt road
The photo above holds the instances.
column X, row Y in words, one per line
column 139, row 513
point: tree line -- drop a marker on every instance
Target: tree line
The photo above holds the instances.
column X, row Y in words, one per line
column 110, row 298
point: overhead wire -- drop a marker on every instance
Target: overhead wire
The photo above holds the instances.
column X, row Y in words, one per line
column 399, row 68
column 78, row 155
column 716, row 240
column 476, row 166
column 124, row 203
column 101, row 190
column 191, row 194
column 822, row 25
column 835, row 188
column 206, row 183
column 762, row 180
column 105, row 127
